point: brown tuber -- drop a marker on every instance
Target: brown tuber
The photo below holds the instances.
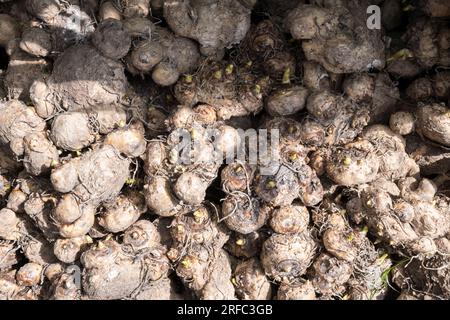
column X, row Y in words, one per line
column 251, row 282
column 36, row 42
column 218, row 24
column 123, row 212
column 111, row 39
column 286, row 257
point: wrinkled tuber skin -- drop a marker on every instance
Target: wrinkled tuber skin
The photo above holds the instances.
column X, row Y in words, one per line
column 68, row 23
column 17, row 121
column 25, row 186
column 13, row 227
column 143, row 240
column 37, row 249
column 384, row 99
column 196, row 249
column 379, row 153
column 236, row 177
column 356, row 163
column 8, row 286
column 197, row 269
column 160, row 198
column 287, row 102
column 424, row 278
column 39, row 207
column 330, row 274
column 251, row 282
column 8, row 255
column 72, row 131
column 359, row 87
column 337, row 37
column 29, row 275
column 108, row 10
column 265, row 49
column 128, row 140
column 338, row 238
column 162, row 289
column 109, row 273
column 23, row 70
column 219, row 285
column 377, row 92
column 190, row 189
column 392, row 14
column 69, row 250
column 142, row 235
column 444, row 46
column 98, row 175
column 78, row 128
column 289, row 177
column 279, row 189
column 136, row 8
column 367, row 282
column 111, row 39
column 216, row 84
column 122, row 212
column 402, row 123
column 80, row 226
column 64, row 287
column 286, row 257
column 162, row 226
column 40, row 155
column 403, row 67
column 184, row 185
column 433, row 122
column 177, row 179
column 296, row 291
column 45, row 10
column 216, row 24
column 199, row 226
column 289, row 219
column 296, row 138
column 36, row 41
column 422, row 38
column 81, row 76
column 89, row 186
column 390, row 147
column 165, row 55
column 420, row 89
column 408, row 296
column 315, row 77
column 112, row 272
column 340, row 119
column 94, row 174
column 351, row 262
column 244, row 215
column 407, row 215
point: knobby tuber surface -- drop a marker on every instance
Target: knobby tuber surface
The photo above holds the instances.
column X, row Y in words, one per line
column 224, row 149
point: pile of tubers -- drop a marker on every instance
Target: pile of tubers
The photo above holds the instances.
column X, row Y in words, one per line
column 127, row 169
